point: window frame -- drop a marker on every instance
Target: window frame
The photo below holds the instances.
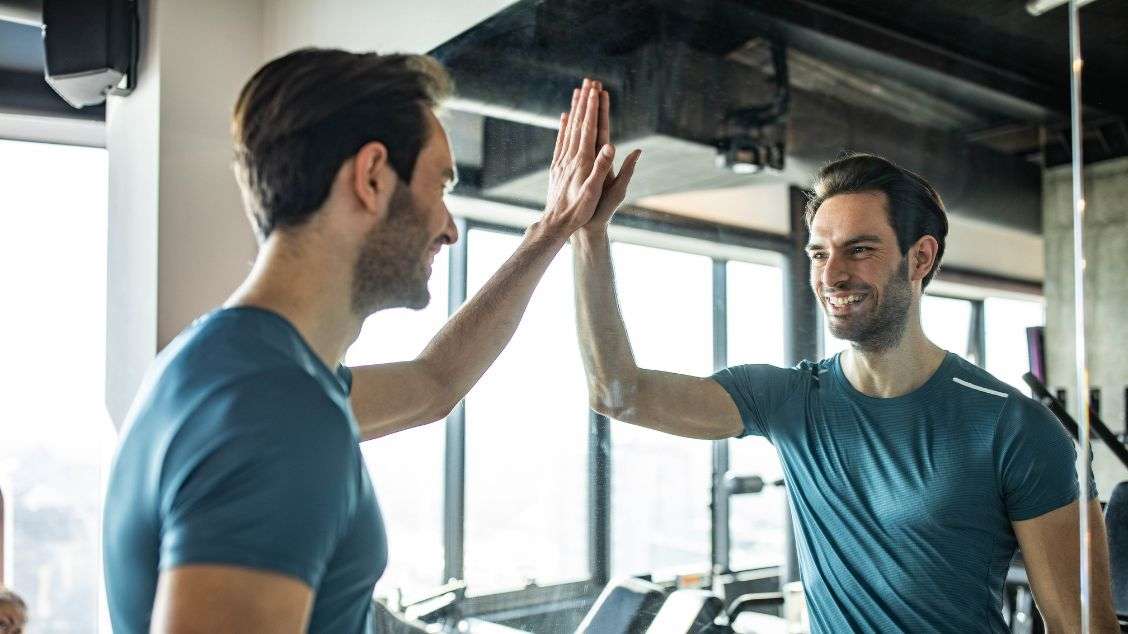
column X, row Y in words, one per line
column 721, row 245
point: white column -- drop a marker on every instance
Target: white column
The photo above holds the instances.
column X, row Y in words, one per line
column 179, row 242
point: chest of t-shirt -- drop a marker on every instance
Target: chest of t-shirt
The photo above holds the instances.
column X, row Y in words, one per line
column 916, row 469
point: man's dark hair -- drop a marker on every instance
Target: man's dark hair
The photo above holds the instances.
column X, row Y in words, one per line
column 304, row 114
column 914, row 207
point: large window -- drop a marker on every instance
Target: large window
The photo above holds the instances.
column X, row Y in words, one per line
column 55, row 434
column 407, row 467
column 947, row 321
column 526, row 439
column 1006, row 321
column 755, row 335
column 660, row 483
column 527, row 469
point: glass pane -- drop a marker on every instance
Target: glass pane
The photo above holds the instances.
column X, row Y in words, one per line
column 947, row 322
column 407, row 467
column 526, row 439
column 54, row 451
column 755, row 335
column 1006, row 324
column 660, row 483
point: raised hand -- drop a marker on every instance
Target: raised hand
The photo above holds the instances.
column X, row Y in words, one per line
column 581, row 162
column 615, row 185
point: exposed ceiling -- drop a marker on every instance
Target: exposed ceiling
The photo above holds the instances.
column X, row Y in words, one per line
column 972, row 94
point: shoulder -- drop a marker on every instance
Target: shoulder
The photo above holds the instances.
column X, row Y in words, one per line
column 761, row 376
column 288, row 400
column 262, row 431
column 282, row 415
column 1018, row 418
column 976, row 391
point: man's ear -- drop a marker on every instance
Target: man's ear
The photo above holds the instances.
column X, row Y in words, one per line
column 373, row 177
column 922, row 257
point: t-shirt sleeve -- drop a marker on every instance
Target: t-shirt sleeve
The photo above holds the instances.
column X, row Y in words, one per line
column 261, row 477
column 1035, row 460
column 758, row 390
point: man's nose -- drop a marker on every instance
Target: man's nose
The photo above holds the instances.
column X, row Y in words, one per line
column 450, row 232
column 835, row 271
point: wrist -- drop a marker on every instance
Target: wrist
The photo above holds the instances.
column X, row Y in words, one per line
column 589, row 235
column 541, row 232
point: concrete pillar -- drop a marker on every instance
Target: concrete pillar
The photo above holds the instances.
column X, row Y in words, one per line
column 178, row 240
column 1106, row 294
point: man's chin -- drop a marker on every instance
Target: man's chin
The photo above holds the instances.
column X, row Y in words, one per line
column 844, row 327
column 420, row 302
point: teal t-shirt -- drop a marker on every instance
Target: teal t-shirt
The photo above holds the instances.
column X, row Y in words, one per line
column 241, row 449
column 903, row 506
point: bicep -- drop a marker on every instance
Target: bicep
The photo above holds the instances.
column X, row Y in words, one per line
column 210, row 598
column 689, row 406
column 1050, row 546
column 390, row 397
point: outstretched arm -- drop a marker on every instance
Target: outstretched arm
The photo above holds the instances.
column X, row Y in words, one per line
column 390, row 397
column 688, row 406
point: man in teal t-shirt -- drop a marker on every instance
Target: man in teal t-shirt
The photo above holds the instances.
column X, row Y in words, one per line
column 238, row 500
column 912, row 475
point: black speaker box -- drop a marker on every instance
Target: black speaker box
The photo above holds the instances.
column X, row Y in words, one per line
column 90, row 48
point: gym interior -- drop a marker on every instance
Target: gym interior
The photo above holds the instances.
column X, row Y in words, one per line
column 524, row 510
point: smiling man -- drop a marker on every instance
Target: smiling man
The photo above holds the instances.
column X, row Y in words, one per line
column 912, row 474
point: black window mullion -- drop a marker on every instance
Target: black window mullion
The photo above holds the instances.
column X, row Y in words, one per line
column 599, row 498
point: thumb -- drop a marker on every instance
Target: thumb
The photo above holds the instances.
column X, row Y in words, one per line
column 626, row 171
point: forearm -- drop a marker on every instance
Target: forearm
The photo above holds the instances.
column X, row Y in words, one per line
column 472, row 339
column 604, row 345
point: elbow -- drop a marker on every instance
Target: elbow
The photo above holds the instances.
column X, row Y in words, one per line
column 443, row 411
column 613, row 399
column 442, row 400
column 441, row 407
column 599, row 406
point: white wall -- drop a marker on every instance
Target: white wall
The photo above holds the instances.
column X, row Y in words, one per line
column 376, row 25
column 178, row 241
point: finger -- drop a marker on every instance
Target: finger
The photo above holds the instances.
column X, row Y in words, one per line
column 604, row 119
column 588, row 131
column 626, row 171
column 600, row 169
column 577, row 118
column 572, row 120
column 560, row 135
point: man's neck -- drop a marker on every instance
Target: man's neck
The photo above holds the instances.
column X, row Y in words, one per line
column 314, row 294
column 894, row 371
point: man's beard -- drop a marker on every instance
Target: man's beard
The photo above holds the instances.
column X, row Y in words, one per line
column 884, row 328
column 391, row 271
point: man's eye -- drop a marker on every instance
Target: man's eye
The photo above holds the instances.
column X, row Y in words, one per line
column 818, row 256
column 859, row 250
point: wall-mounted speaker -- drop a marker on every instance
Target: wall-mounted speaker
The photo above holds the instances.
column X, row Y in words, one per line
column 90, row 48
